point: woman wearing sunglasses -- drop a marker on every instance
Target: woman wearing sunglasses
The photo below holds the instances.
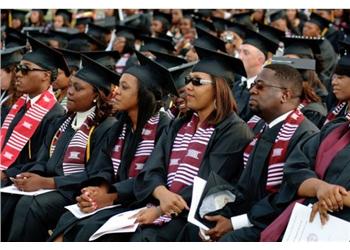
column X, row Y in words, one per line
column 126, row 149
column 63, row 161
column 29, row 118
column 209, row 138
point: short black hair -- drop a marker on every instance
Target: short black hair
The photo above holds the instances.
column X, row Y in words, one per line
column 288, row 76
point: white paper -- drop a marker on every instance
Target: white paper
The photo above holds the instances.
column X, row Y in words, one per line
column 119, row 223
column 300, row 229
column 75, row 210
column 13, row 190
column 198, row 187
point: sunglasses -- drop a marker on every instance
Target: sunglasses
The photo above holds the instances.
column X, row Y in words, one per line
column 260, row 86
column 196, row 81
column 25, row 69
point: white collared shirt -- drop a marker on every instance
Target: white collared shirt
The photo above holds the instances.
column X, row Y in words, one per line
column 36, row 98
column 249, row 80
column 80, row 117
column 242, row 220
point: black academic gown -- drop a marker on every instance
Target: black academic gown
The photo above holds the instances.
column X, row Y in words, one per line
column 81, row 230
column 298, row 168
column 35, row 141
column 34, row 216
column 223, row 155
column 241, row 94
column 316, row 112
column 334, row 36
column 327, row 59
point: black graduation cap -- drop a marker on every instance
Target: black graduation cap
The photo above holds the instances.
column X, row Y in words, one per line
column 14, row 38
column 178, row 73
column 204, row 24
column 128, row 32
column 97, row 31
column 83, row 20
column 238, row 28
column 11, row 56
column 152, row 75
column 276, row 15
column 97, row 75
column 218, row 64
column 343, row 66
column 167, row 60
column 260, row 42
column 220, row 24
column 304, row 46
column 65, row 13
column 73, row 58
column 319, row 21
column 38, row 35
column 344, row 46
column 61, row 37
column 216, row 194
column 19, row 14
column 270, row 32
column 203, row 13
column 82, row 42
column 106, row 58
column 158, row 44
column 245, row 19
column 297, row 63
column 207, row 40
column 46, row 57
column 164, row 18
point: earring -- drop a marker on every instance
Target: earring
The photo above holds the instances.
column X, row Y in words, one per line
column 215, row 104
column 94, row 101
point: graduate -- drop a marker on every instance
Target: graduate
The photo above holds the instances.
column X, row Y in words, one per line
column 60, row 86
column 317, row 172
column 254, row 52
column 62, row 162
column 341, row 89
column 310, row 104
column 9, row 59
column 30, row 117
column 124, row 43
column 209, row 138
column 125, row 151
column 279, row 126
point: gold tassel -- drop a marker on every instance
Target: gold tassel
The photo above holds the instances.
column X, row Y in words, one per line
column 88, row 146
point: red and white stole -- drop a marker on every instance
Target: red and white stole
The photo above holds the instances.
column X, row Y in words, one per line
column 303, row 104
column 75, row 154
column 335, row 112
column 144, row 148
column 25, row 128
column 279, row 150
column 120, row 65
column 187, row 153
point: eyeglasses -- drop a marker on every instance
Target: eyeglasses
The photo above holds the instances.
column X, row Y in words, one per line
column 25, row 69
column 196, row 81
column 260, row 85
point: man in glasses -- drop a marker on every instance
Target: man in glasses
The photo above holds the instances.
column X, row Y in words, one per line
column 29, row 118
column 278, row 126
column 253, row 52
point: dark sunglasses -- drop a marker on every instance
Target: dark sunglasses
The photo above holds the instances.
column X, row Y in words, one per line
column 196, row 81
column 25, row 69
column 260, row 86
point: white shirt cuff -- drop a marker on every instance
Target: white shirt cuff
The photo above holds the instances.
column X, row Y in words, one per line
column 240, row 221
